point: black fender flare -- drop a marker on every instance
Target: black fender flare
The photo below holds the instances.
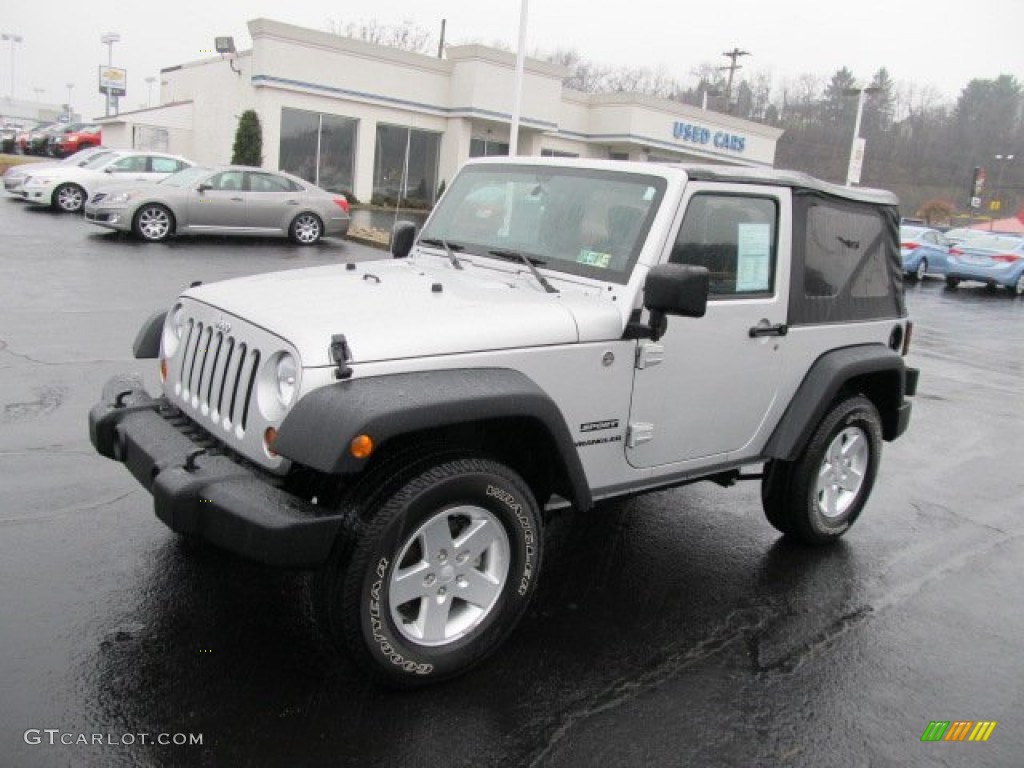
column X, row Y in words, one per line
column 147, row 340
column 318, row 430
column 882, row 376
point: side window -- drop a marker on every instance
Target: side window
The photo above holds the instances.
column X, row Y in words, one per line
column 164, row 164
column 228, row 181
column 735, row 238
column 133, row 164
column 265, row 182
column 931, row 238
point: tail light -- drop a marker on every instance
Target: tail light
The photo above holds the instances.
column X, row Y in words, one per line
column 955, row 252
column 1006, row 258
column 342, row 203
column 909, row 246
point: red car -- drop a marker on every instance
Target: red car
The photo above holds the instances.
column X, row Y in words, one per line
column 74, row 138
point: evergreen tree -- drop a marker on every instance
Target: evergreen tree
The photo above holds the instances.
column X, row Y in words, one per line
column 248, row 148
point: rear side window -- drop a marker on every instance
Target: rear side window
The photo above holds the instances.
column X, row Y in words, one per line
column 165, row 165
column 846, row 261
column 265, row 182
column 734, row 236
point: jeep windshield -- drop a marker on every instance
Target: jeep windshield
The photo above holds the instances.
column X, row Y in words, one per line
column 581, row 221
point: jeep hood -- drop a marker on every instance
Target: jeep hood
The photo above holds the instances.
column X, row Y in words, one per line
column 393, row 309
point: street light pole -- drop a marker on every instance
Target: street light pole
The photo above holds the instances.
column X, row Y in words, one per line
column 1002, row 160
column 149, row 93
column 517, row 106
column 108, row 40
column 13, row 38
column 857, row 144
column 70, row 110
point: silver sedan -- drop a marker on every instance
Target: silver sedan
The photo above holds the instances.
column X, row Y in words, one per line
column 225, row 200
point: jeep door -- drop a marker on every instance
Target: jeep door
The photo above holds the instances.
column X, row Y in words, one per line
column 703, row 391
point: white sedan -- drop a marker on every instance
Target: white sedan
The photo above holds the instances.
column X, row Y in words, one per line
column 67, row 188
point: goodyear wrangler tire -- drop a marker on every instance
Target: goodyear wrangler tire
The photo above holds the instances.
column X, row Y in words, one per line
column 816, row 498
column 440, row 572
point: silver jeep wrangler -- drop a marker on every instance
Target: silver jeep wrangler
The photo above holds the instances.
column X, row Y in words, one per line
column 559, row 333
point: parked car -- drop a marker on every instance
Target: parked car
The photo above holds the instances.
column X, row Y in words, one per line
column 923, row 250
column 224, row 200
column 73, row 138
column 21, row 140
column 993, row 260
column 14, row 177
column 68, row 187
column 8, row 137
column 401, row 425
column 39, row 138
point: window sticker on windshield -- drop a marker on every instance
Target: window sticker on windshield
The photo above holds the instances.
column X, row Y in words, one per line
column 753, row 268
column 594, row 258
column 649, row 194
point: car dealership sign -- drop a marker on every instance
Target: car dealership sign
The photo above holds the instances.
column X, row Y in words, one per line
column 698, row 134
column 113, row 81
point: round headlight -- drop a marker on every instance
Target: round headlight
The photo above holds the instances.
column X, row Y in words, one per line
column 287, row 375
column 174, row 329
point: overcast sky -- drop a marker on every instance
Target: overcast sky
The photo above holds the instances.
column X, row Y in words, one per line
column 937, row 43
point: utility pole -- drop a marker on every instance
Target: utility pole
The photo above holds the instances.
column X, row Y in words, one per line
column 732, row 55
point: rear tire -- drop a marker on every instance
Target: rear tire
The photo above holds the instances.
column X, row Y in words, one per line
column 922, row 270
column 306, row 229
column 1018, row 288
column 817, row 497
column 440, row 569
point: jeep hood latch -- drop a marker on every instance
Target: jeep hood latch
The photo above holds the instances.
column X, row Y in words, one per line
column 341, row 354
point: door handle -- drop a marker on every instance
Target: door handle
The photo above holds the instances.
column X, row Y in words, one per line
column 293, row 202
column 769, row 330
column 237, row 200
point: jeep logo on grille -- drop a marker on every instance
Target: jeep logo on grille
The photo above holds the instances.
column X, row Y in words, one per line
column 222, row 325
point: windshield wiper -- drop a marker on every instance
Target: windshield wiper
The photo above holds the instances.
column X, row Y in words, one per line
column 530, row 261
column 449, row 248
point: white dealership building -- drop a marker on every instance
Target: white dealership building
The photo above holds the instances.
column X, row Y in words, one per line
column 381, row 122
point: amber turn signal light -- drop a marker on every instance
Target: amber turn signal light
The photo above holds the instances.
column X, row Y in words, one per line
column 269, row 436
column 163, row 369
column 361, row 446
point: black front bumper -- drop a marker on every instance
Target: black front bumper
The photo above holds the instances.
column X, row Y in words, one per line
column 212, row 496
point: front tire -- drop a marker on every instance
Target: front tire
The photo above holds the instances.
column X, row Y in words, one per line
column 69, row 198
column 153, row 223
column 440, row 571
column 922, row 270
column 306, row 229
column 816, row 498
column 952, row 282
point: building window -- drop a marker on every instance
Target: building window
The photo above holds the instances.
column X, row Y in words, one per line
column 557, row 153
column 405, row 166
column 318, row 148
column 487, row 148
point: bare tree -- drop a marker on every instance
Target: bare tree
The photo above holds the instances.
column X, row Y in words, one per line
column 406, row 36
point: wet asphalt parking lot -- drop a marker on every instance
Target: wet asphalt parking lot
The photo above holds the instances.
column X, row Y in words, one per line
column 675, row 629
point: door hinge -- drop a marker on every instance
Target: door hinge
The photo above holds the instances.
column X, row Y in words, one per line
column 649, row 354
column 639, row 432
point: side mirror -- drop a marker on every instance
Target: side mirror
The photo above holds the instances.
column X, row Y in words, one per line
column 674, row 289
column 203, row 188
column 402, row 238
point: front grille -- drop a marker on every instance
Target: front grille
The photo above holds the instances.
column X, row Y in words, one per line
column 216, row 375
